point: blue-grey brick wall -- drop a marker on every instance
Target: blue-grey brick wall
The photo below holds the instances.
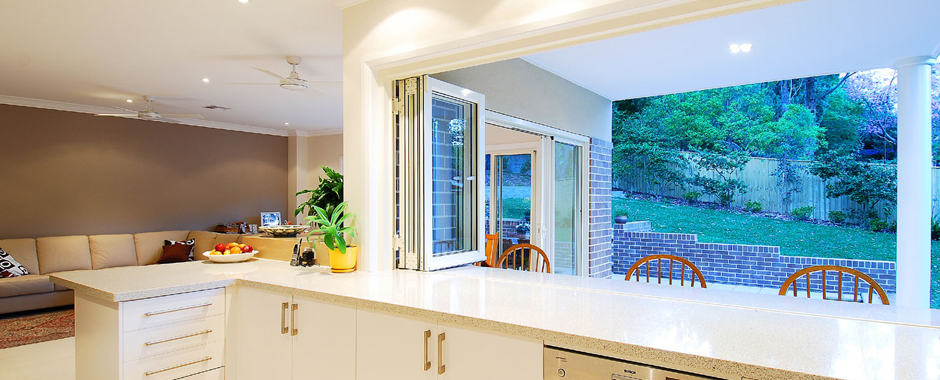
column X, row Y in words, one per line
column 735, row 264
column 600, row 231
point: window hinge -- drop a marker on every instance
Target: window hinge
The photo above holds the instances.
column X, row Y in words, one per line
column 397, row 106
column 398, row 243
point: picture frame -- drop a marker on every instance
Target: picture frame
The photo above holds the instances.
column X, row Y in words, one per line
column 272, row 218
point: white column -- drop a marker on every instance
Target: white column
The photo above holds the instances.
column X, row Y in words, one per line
column 914, row 187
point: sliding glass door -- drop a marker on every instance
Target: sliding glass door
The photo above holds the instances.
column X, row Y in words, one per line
column 567, row 208
column 510, row 197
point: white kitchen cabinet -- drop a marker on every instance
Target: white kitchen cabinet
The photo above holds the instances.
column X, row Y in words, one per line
column 263, row 348
column 324, row 345
column 280, row 337
column 397, row 347
column 393, row 347
column 471, row 354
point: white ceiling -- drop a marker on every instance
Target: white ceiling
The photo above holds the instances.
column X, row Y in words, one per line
column 99, row 53
column 808, row 38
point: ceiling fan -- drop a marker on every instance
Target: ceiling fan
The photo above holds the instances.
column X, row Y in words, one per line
column 293, row 81
column 150, row 114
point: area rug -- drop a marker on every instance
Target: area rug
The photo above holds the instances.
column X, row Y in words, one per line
column 34, row 327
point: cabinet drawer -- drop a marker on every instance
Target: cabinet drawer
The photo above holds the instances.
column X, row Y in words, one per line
column 167, row 338
column 160, row 311
column 178, row 364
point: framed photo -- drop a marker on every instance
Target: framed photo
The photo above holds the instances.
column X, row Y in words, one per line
column 270, row 218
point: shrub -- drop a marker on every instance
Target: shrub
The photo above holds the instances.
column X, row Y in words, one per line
column 692, row 196
column 753, row 206
column 837, row 217
column 802, row 213
column 935, row 228
column 878, row 225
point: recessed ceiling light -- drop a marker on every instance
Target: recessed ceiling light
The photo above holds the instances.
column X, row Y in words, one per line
column 205, row 80
column 742, row 48
column 286, row 123
column 243, row 1
column 130, row 100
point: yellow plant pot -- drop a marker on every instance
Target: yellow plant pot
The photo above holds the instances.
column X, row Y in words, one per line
column 344, row 262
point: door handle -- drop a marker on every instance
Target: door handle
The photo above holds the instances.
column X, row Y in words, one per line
column 427, row 361
column 440, row 354
column 284, row 306
column 293, row 319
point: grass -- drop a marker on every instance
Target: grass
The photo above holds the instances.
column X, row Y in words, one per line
column 793, row 238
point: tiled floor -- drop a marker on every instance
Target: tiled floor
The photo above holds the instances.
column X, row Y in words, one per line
column 52, row 360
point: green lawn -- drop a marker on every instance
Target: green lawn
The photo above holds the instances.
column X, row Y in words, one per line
column 793, row 238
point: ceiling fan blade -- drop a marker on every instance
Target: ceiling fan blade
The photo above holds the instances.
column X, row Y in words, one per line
column 256, row 84
column 182, row 115
column 117, row 114
column 324, row 81
column 271, row 73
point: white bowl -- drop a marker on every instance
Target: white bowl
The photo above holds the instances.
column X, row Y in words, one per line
column 230, row 258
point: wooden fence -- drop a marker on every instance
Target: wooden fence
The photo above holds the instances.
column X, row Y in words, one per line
column 762, row 187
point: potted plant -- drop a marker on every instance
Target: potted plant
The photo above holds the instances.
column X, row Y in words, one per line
column 327, row 195
column 330, row 232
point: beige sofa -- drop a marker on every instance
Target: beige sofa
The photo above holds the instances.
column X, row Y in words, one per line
column 47, row 255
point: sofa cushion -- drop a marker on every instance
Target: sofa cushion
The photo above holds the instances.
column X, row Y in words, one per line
column 205, row 241
column 24, row 285
column 63, row 253
column 24, row 251
column 150, row 244
column 109, row 251
column 226, row 238
column 9, row 267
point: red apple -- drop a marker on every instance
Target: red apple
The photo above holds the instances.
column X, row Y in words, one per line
column 248, row 248
column 220, row 247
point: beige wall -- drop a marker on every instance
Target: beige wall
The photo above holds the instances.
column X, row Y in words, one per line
column 518, row 88
column 322, row 151
column 65, row 173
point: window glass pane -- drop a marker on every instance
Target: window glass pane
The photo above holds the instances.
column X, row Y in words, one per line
column 515, row 200
column 567, row 207
column 453, row 166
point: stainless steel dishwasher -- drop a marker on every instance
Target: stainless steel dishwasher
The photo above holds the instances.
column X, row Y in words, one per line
column 571, row 365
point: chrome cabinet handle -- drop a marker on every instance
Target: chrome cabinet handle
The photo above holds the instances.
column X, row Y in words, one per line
column 284, row 329
column 205, row 359
column 152, row 313
column 427, row 361
column 177, row 338
column 293, row 331
column 440, row 354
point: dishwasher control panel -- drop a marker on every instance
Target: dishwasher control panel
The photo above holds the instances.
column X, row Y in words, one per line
column 561, row 364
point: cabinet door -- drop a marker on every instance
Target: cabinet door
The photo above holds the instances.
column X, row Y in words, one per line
column 263, row 348
column 391, row 347
column 470, row 354
column 324, row 340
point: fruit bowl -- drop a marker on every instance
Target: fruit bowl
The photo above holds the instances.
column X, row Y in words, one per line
column 284, row 230
column 231, row 258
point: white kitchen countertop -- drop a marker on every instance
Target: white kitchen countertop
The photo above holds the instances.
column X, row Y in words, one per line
column 703, row 330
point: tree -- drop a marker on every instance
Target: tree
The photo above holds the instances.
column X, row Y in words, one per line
column 794, row 136
column 638, row 149
column 869, row 185
column 723, row 166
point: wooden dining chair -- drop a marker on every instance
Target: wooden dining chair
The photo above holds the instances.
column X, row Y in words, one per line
column 525, row 257
column 683, row 263
column 872, row 284
column 491, row 257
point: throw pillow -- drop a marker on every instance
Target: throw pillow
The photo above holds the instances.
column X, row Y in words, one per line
column 176, row 253
column 190, row 242
column 9, row 267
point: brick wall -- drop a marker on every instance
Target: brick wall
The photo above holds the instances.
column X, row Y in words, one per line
column 735, row 264
column 600, row 229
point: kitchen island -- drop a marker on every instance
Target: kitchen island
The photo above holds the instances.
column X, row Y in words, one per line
column 502, row 315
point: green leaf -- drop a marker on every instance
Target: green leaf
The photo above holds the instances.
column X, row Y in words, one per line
column 328, row 240
column 321, row 213
column 342, row 244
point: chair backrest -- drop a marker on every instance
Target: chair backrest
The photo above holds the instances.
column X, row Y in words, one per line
column 525, row 257
column 872, row 285
column 683, row 263
column 491, row 256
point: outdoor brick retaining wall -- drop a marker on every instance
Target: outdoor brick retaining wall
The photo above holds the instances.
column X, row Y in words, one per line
column 734, row 264
column 600, row 230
